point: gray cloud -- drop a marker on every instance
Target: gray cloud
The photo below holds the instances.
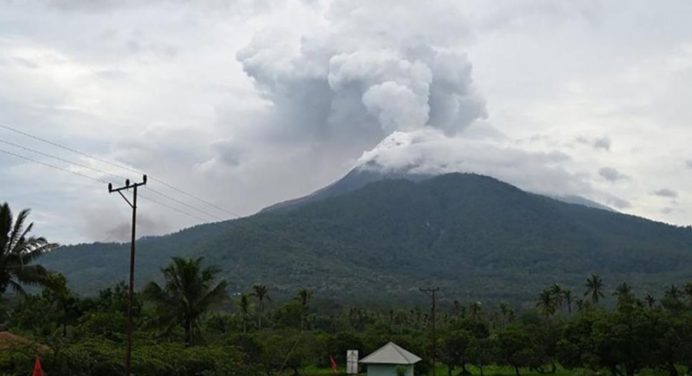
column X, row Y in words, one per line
column 111, row 222
column 431, row 152
column 688, row 163
column 665, row 192
column 602, row 143
column 611, row 174
column 618, row 202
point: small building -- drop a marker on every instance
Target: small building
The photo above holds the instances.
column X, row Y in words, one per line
column 390, row 360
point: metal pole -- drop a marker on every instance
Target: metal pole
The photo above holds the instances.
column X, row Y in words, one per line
column 131, row 289
column 128, row 356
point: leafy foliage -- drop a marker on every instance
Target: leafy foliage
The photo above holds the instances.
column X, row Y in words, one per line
column 189, row 292
column 18, row 250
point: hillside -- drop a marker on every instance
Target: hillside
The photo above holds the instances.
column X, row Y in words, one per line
column 476, row 237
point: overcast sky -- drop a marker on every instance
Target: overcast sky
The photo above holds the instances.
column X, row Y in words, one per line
column 246, row 103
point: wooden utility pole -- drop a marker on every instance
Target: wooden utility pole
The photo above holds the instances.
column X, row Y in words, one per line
column 130, row 294
column 432, row 292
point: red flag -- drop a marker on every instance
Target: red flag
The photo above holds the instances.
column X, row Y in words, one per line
column 38, row 371
column 333, row 362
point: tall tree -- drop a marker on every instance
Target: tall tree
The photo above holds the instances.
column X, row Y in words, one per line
column 507, row 313
column 594, row 288
column 303, row 297
column 688, row 292
column 650, row 300
column 261, row 292
column 558, row 295
column 567, row 295
column 190, row 291
column 580, row 304
column 18, row 251
column 244, row 305
column 624, row 295
column 673, row 292
column 64, row 300
column 546, row 303
column 475, row 311
column 672, row 298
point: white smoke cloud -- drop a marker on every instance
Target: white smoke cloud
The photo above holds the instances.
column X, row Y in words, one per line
column 362, row 78
column 431, row 152
column 401, row 87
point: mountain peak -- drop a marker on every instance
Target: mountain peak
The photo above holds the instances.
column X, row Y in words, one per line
column 474, row 236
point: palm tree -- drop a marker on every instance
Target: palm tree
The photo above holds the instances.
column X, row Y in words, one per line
column 303, row 296
column 459, row 309
column 17, row 252
column 673, row 293
column 650, row 300
column 188, row 293
column 244, row 305
column 567, row 294
column 546, row 303
column 507, row 312
column 475, row 311
column 557, row 292
column 580, row 304
column 594, row 287
column 624, row 294
column 688, row 292
column 261, row 292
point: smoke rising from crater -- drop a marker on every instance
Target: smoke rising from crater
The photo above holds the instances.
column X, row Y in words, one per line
column 371, row 72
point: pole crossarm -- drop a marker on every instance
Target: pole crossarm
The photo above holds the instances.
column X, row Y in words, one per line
column 127, row 185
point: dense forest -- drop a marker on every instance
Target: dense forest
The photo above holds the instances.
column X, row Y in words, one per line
column 474, row 236
column 189, row 325
column 252, row 334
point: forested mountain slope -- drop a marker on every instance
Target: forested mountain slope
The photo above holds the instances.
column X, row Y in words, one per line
column 474, row 236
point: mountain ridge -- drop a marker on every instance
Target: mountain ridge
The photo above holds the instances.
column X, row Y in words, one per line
column 475, row 236
column 371, row 172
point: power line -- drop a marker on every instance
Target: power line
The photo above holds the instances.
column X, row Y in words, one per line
column 108, row 173
column 195, row 197
column 52, row 166
column 248, row 219
column 171, row 207
column 184, row 204
column 59, row 159
column 118, row 165
column 13, row 129
column 96, row 180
